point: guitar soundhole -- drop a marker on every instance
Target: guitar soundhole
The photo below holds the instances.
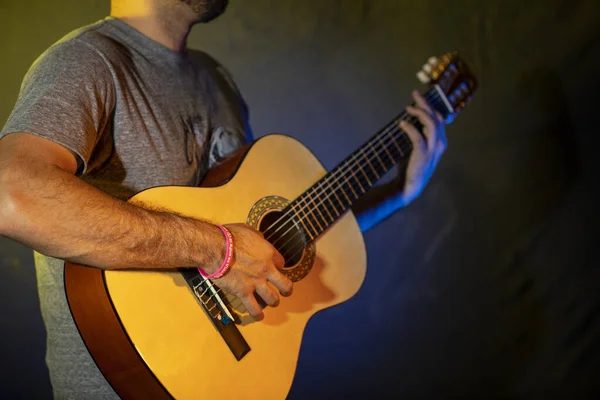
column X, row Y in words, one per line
column 285, row 234
column 288, row 239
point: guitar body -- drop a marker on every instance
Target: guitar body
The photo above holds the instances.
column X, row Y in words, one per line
column 146, row 330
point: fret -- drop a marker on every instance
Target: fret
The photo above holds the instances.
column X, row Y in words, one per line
column 340, row 182
column 313, row 209
column 345, row 195
column 372, row 168
column 397, row 145
column 405, row 146
column 339, row 202
column 366, row 177
column 323, row 190
column 308, row 206
column 331, row 199
column 385, row 147
column 378, row 158
column 356, row 196
column 362, row 170
column 396, row 152
column 328, row 198
column 386, row 152
column 358, row 181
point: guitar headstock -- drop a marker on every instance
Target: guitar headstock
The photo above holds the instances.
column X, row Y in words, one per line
column 452, row 77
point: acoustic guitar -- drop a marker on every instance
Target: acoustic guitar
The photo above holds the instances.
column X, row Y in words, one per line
column 161, row 335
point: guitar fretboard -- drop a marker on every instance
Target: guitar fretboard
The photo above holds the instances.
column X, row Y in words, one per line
column 329, row 198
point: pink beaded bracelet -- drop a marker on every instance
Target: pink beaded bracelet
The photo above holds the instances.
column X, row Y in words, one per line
column 228, row 256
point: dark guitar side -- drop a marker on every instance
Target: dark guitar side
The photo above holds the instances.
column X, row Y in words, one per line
column 100, row 327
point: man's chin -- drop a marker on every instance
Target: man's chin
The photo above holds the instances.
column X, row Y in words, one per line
column 207, row 10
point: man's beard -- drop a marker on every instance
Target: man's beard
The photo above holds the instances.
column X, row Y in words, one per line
column 207, row 10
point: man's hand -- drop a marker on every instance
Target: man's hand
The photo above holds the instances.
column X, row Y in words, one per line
column 427, row 147
column 255, row 268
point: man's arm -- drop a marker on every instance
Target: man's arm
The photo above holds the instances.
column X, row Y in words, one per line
column 428, row 146
column 46, row 207
column 378, row 204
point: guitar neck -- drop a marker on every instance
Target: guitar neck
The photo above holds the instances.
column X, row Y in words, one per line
column 329, row 198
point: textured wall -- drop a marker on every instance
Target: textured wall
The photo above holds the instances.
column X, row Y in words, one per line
column 488, row 283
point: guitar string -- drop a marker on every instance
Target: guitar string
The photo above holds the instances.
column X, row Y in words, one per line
column 341, row 171
column 325, row 185
column 317, row 201
column 297, row 247
column 349, row 164
column 367, row 175
column 390, row 131
column 393, row 130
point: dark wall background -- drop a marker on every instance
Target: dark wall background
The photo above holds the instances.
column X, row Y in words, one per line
column 488, row 284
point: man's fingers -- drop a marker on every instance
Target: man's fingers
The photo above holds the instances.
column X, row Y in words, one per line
column 429, row 130
column 439, row 150
column 443, row 139
column 278, row 259
column 414, row 135
column 421, row 102
column 439, row 117
column 281, row 282
column 253, row 307
column 266, row 292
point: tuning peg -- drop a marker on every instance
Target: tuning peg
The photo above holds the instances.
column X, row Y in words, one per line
column 423, row 77
column 433, row 61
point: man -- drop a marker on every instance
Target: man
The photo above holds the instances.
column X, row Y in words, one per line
column 117, row 107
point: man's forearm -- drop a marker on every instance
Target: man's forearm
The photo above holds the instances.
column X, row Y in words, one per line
column 59, row 215
column 377, row 204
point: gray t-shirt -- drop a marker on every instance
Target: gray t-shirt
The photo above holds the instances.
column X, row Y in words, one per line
column 137, row 115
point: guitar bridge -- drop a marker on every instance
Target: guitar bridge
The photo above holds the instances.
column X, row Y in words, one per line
column 215, row 304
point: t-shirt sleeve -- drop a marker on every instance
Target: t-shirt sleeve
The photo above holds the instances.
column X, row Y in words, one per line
column 67, row 96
